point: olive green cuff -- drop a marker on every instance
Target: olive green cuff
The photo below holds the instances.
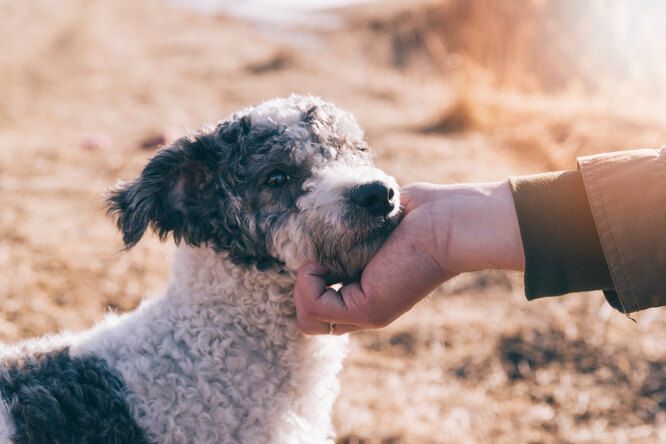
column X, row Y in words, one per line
column 563, row 253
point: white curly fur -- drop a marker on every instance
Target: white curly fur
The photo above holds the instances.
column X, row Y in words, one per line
column 219, row 357
column 321, row 207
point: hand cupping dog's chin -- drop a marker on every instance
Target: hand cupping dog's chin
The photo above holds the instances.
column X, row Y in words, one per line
column 362, row 254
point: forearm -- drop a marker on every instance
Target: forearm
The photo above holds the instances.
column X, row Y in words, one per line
column 540, row 224
column 483, row 231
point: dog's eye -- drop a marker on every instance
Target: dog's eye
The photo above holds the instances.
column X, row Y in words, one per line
column 276, row 179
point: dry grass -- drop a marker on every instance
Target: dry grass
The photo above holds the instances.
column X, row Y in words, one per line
column 447, row 90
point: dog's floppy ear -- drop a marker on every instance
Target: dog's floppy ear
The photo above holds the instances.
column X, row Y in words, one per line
column 168, row 196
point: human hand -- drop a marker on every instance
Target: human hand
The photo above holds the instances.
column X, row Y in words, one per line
column 445, row 230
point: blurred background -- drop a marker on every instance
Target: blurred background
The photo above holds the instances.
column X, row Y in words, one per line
column 447, row 91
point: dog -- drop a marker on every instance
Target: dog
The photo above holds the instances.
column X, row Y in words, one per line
column 219, row 357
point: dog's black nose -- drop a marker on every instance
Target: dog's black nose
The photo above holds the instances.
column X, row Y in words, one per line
column 375, row 197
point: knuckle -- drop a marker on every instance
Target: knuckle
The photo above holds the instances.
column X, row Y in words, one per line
column 307, row 294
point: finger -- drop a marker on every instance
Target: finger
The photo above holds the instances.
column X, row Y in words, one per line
column 312, row 326
column 316, row 327
column 341, row 329
column 310, row 284
column 313, row 300
column 316, row 306
column 348, row 306
column 312, row 269
column 310, row 280
column 327, row 307
column 408, row 200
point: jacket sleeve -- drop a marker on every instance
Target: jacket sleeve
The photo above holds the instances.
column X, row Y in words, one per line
column 563, row 253
column 627, row 197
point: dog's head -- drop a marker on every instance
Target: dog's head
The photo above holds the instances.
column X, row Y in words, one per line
column 285, row 182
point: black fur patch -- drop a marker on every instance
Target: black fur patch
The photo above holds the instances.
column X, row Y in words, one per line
column 56, row 398
column 205, row 189
column 210, row 189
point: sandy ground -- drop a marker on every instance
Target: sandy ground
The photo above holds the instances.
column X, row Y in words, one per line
column 84, row 83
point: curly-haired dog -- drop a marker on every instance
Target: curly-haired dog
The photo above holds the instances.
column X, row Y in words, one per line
column 219, row 357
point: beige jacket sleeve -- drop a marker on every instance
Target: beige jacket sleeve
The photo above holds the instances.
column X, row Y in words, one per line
column 627, row 196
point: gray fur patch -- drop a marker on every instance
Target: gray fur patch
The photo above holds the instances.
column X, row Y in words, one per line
column 213, row 188
column 203, row 190
column 56, row 398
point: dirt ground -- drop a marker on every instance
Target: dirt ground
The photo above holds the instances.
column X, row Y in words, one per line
column 448, row 91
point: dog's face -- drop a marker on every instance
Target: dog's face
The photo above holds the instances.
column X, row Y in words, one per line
column 279, row 184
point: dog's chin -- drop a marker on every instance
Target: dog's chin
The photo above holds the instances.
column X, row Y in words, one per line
column 346, row 266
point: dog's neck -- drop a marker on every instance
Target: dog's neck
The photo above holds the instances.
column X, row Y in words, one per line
column 220, row 320
column 201, row 276
column 207, row 291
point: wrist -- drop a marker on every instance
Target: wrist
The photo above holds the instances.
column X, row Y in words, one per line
column 508, row 246
column 482, row 230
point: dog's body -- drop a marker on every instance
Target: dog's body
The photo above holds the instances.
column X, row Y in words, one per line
column 219, row 357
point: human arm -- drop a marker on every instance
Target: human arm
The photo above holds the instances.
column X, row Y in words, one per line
column 446, row 230
column 601, row 227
